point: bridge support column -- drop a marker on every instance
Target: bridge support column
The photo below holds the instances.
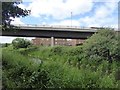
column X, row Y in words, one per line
column 52, row 41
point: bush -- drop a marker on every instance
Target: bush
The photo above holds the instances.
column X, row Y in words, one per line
column 74, row 51
column 102, row 45
column 20, row 43
column 64, row 76
column 20, row 72
column 5, row 45
column 25, row 51
column 57, row 50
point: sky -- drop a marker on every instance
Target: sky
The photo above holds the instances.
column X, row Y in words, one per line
column 87, row 13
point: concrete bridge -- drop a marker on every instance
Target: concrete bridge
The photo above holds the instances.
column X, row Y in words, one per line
column 52, row 32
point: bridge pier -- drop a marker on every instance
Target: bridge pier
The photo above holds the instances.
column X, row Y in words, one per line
column 52, row 41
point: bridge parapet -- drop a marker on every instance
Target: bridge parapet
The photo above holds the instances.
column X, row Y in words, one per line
column 51, row 26
column 58, row 27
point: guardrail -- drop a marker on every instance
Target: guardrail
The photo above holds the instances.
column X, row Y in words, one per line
column 51, row 26
column 58, row 26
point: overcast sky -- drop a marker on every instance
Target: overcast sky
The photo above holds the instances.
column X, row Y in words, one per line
column 88, row 13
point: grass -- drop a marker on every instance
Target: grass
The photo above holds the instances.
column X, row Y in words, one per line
column 20, row 71
column 63, row 67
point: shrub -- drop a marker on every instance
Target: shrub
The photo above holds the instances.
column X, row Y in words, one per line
column 5, row 45
column 20, row 72
column 64, row 76
column 25, row 51
column 57, row 50
column 20, row 43
column 75, row 51
column 102, row 45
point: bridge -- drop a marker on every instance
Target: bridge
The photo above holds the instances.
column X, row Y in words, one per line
column 46, row 31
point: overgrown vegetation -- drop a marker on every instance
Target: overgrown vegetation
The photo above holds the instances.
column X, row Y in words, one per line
column 95, row 64
column 103, row 45
column 21, row 72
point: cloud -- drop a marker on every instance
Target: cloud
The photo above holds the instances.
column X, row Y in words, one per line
column 4, row 39
column 67, row 23
column 59, row 9
column 95, row 21
column 16, row 21
column 27, row 0
column 106, row 1
column 102, row 16
column 22, row 6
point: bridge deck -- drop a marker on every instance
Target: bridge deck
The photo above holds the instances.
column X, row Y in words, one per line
column 55, row 28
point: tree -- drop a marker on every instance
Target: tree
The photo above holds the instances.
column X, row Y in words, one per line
column 11, row 9
column 20, row 43
column 102, row 45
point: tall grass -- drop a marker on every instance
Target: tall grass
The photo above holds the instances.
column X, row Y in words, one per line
column 63, row 75
column 62, row 67
column 19, row 71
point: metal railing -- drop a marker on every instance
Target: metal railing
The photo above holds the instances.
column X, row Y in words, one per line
column 58, row 26
column 50, row 26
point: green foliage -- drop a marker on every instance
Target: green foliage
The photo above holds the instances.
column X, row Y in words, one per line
column 20, row 43
column 68, row 68
column 5, row 45
column 21, row 72
column 62, row 76
column 102, row 45
column 10, row 9
column 25, row 51
column 74, row 51
column 56, row 50
column 54, row 73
